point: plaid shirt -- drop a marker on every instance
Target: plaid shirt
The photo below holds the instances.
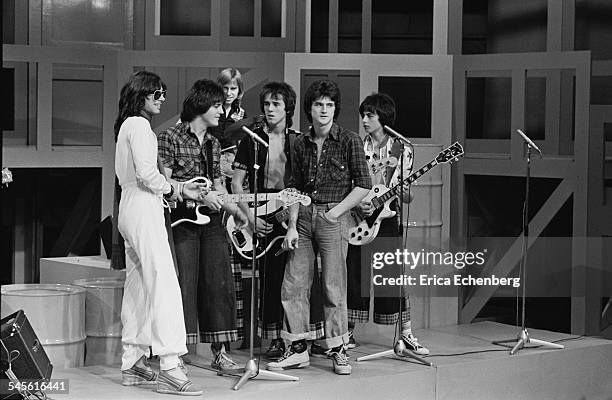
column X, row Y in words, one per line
column 341, row 167
column 181, row 151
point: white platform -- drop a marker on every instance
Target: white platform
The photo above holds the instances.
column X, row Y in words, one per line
column 581, row 371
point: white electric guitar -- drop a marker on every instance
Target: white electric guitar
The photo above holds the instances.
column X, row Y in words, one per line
column 275, row 214
column 381, row 198
column 193, row 212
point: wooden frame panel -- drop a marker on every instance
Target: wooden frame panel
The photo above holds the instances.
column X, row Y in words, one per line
column 573, row 169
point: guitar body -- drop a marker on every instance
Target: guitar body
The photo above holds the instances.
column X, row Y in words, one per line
column 241, row 237
column 366, row 229
column 188, row 211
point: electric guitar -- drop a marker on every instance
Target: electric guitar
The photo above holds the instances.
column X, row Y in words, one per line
column 381, row 198
column 274, row 214
column 377, row 165
column 193, row 212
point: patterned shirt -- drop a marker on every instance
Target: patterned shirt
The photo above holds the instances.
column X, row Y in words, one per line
column 180, row 150
column 388, row 176
column 341, row 167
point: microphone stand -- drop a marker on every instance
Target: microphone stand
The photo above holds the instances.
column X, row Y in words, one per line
column 251, row 369
column 399, row 349
column 523, row 337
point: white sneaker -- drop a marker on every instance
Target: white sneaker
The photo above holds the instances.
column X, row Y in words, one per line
column 289, row 360
column 413, row 345
column 340, row 362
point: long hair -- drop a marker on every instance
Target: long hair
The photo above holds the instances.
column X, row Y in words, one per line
column 318, row 89
column 232, row 74
column 283, row 91
column 380, row 104
column 133, row 95
column 203, row 94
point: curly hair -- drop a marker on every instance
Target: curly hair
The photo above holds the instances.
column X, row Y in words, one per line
column 133, row 95
column 283, row 91
column 318, row 89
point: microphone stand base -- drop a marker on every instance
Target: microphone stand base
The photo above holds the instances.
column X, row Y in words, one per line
column 523, row 338
column 398, row 350
column 252, row 371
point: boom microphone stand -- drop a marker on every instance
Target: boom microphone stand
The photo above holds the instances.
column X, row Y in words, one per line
column 399, row 349
column 523, row 337
column 251, row 369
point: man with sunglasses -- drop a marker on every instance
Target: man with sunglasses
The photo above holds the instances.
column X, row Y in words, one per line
column 188, row 150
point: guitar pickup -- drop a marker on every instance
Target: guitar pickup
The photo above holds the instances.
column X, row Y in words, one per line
column 240, row 239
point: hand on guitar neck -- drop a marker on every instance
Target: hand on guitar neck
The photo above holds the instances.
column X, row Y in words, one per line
column 376, row 205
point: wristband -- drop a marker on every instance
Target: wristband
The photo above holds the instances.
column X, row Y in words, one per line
column 169, row 194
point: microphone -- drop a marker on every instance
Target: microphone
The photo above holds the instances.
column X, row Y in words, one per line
column 529, row 141
column 255, row 136
column 397, row 135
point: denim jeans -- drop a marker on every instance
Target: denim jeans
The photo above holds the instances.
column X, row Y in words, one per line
column 317, row 234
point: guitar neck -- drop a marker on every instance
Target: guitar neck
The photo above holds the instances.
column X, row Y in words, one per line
column 244, row 197
column 394, row 191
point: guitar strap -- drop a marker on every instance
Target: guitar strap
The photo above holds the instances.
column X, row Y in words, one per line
column 209, row 159
column 291, row 135
column 368, row 148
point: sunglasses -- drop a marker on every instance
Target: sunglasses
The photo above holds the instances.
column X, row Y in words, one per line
column 158, row 94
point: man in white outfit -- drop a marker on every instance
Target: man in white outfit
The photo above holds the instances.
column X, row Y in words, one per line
column 152, row 310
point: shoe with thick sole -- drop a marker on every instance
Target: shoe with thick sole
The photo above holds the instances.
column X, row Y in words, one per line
column 170, row 385
column 290, row 360
column 136, row 375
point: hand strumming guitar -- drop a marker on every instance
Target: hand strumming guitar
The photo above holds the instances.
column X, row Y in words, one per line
column 262, row 228
column 212, row 200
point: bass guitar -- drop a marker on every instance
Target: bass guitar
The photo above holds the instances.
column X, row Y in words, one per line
column 381, row 198
column 194, row 212
column 273, row 213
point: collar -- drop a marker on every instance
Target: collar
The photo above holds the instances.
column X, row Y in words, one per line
column 334, row 133
column 148, row 116
column 368, row 139
column 184, row 129
column 266, row 130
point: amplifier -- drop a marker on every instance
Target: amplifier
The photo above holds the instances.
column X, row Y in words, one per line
column 26, row 354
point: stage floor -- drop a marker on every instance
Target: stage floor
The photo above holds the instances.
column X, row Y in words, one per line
column 464, row 369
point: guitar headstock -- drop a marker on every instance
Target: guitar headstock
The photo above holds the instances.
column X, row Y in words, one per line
column 378, row 165
column 7, row 176
column 450, row 154
column 292, row 196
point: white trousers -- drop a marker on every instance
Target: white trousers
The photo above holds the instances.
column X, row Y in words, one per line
column 152, row 309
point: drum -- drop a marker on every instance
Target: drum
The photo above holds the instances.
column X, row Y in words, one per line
column 102, row 319
column 57, row 315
